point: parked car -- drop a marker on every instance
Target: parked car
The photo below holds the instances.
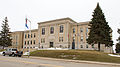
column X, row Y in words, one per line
column 12, row 52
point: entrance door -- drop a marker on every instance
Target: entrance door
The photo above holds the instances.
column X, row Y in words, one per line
column 73, row 45
column 51, row 44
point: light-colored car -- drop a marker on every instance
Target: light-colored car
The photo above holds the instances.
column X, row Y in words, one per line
column 12, row 52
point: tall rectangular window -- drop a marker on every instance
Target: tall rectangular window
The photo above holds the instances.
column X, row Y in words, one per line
column 25, row 35
column 60, row 39
column 86, row 45
column 86, row 30
column 31, row 42
column 25, row 42
column 31, row 35
column 86, row 33
column 28, row 35
column 43, row 31
column 43, row 40
column 61, row 28
column 73, row 30
column 51, row 30
column 81, row 38
column 34, row 41
column 81, row 30
column 34, row 35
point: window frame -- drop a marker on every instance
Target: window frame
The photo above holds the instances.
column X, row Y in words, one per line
column 61, row 28
column 43, row 31
column 51, row 30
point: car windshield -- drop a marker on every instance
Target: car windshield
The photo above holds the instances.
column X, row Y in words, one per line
column 14, row 49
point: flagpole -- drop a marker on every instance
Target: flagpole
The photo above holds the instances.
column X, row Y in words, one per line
column 29, row 39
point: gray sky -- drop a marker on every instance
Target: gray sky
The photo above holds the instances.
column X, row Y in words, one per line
column 45, row 10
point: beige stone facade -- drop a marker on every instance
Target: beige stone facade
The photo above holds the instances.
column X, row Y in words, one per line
column 17, row 39
column 30, row 39
column 60, row 33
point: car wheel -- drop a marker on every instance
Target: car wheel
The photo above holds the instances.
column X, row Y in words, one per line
column 3, row 54
column 13, row 54
column 19, row 55
column 10, row 55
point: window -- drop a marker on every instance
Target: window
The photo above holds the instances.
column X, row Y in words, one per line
column 87, row 46
column 86, row 37
column 61, row 28
column 31, row 42
column 81, row 46
column 73, row 30
column 81, row 38
column 25, row 36
column 87, row 30
column 73, row 39
column 43, row 31
column 31, row 35
column 28, row 35
column 92, row 45
column 34, row 35
column 51, row 30
column 34, row 41
column 60, row 39
column 81, row 30
column 43, row 40
column 86, row 33
column 25, row 42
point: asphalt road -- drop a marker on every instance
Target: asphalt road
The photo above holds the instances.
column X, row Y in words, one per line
column 6, row 61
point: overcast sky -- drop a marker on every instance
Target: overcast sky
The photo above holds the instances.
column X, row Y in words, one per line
column 45, row 10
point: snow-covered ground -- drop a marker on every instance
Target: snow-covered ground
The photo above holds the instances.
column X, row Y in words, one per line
column 1, row 53
column 53, row 49
column 26, row 53
column 114, row 55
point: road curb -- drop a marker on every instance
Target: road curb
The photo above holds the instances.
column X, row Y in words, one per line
column 76, row 61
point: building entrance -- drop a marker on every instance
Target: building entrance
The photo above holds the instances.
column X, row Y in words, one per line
column 73, row 45
column 51, row 44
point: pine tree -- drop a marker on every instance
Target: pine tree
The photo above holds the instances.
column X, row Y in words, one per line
column 5, row 40
column 99, row 29
column 118, row 44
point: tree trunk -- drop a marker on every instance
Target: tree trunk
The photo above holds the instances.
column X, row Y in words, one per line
column 98, row 46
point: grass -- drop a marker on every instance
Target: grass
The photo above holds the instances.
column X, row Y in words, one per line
column 2, row 50
column 77, row 55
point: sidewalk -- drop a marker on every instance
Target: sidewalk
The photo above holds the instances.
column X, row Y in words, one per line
column 76, row 61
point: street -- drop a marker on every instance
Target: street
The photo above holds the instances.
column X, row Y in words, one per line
column 6, row 61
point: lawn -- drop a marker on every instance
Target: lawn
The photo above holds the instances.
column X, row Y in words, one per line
column 2, row 50
column 77, row 55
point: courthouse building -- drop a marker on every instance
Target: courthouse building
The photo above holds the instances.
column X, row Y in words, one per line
column 62, row 33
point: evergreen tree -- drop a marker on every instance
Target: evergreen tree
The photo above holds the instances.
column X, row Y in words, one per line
column 5, row 40
column 100, row 32
column 118, row 44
